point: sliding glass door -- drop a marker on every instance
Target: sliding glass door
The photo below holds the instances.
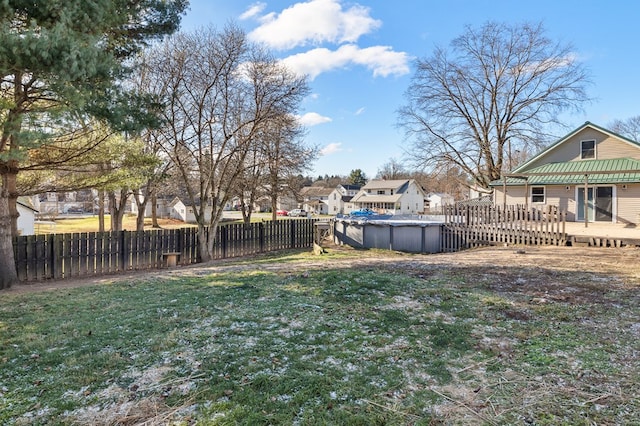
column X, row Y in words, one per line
column 599, row 207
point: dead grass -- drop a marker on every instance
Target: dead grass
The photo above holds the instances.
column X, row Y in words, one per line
column 90, row 224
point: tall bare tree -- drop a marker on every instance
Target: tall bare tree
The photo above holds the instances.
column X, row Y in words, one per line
column 219, row 92
column 498, row 89
column 285, row 157
column 629, row 128
column 393, row 169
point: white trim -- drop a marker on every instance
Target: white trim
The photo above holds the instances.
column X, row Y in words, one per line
column 544, row 194
column 595, row 151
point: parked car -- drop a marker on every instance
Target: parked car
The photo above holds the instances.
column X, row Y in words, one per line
column 298, row 213
column 363, row 212
column 282, row 213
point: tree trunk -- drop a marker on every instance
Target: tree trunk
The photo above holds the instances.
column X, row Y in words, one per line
column 142, row 207
column 117, row 207
column 140, row 217
column 246, row 212
column 154, row 211
column 8, row 274
column 9, row 183
column 203, row 243
column 274, row 208
column 101, row 195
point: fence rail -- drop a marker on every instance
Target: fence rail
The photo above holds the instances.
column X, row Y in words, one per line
column 62, row 256
column 476, row 226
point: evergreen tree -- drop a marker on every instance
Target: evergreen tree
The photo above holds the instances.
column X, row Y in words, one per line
column 357, row 177
column 61, row 60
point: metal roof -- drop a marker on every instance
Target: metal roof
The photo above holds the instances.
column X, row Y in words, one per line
column 363, row 197
column 316, row 191
column 386, row 184
column 618, row 170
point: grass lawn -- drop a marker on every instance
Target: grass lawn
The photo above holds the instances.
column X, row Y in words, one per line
column 90, row 223
column 303, row 340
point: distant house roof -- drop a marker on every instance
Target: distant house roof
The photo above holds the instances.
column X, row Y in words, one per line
column 26, row 203
column 386, row 184
column 351, row 187
column 315, row 191
column 484, row 200
column 626, row 170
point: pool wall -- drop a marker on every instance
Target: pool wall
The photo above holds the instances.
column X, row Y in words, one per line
column 400, row 235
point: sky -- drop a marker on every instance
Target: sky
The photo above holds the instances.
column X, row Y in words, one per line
column 360, row 58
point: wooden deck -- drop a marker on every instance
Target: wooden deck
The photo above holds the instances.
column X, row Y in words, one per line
column 600, row 234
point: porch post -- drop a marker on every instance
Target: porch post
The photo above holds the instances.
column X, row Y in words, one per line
column 586, row 200
column 504, row 192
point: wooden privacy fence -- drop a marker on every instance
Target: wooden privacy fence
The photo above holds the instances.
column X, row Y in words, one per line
column 61, row 256
column 475, row 226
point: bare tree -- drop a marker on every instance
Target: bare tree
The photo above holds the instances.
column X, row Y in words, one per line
column 285, row 156
column 250, row 185
column 393, row 169
column 499, row 89
column 629, row 128
column 219, row 92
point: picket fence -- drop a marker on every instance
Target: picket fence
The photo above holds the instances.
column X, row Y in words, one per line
column 62, row 256
column 475, row 226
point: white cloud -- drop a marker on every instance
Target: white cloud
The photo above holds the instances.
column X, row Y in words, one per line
column 312, row 22
column 313, row 119
column 382, row 60
column 360, row 111
column 253, row 11
column 332, row 148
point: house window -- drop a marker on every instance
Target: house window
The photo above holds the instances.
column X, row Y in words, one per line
column 380, row 191
column 587, row 149
column 537, row 194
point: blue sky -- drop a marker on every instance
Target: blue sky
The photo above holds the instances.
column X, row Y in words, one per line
column 360, row 57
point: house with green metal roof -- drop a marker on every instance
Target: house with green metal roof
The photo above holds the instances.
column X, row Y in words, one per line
column 592, row 173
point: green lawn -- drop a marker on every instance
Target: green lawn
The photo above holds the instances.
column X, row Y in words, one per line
column 256, row 344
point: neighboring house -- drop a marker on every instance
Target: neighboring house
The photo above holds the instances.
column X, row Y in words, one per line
column 73, row 202
column 484, row 200
column 339, row 201
column 163, row 207
column 391, row 196
column 27, row 216
column 591, row 173
column 315, row 199
column 183, row 211
column 436, row 200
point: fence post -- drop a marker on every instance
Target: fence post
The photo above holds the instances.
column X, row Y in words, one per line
column 223, row 240
column 125, row 239
column 177, row 246
column 261, row 241
column 292, row 229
